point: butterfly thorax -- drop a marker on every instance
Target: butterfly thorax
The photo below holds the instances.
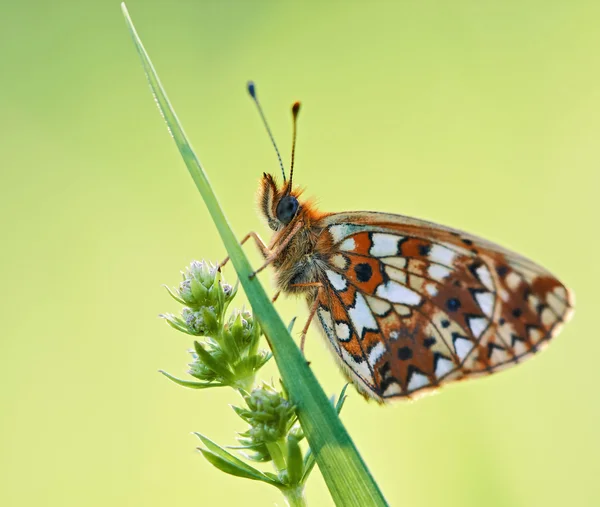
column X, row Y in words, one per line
column 303, row 260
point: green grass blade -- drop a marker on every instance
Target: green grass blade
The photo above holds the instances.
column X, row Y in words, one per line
column 344, row 471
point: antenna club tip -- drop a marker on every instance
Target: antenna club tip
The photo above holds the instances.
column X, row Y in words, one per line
column 251, row 89
column 295, row 108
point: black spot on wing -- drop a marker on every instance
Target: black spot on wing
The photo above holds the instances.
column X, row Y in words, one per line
column 363, row 272
column 405, row 353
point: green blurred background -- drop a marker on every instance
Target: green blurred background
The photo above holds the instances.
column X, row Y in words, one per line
column 480, row 115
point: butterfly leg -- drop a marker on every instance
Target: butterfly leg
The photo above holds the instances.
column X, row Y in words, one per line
column 264, row 250
column 273, row 254
column 313, row 310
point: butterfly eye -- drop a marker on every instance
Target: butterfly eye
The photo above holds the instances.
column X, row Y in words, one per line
column 286, row 209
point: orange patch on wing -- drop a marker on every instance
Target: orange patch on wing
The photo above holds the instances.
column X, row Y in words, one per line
column 338, row 313
column 362, row 243
column 347, row 296
column 367, row 278
column 544, row 284
column 414, row 247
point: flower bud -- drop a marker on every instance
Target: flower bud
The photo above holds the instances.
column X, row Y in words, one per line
column 269, row 414
column 199, row 278
column 202, row 286
column 242, row 330
column 201, row 370
column 202, row 322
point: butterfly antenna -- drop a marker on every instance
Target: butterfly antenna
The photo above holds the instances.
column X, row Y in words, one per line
column 252, row 92
column 295, row 111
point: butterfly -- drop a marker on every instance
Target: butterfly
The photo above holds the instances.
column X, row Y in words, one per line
column 405, row 305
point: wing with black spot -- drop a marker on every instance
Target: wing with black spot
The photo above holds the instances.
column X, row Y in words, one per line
column 409, row 305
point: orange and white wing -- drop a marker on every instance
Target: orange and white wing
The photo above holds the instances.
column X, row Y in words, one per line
column 410, row 305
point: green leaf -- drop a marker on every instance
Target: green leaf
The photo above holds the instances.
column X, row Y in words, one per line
column 294, row 461
column 346, row 475
column 341, row 399
column 291, row 325
column 272, row 476
column 174, row 296
column 176, row 323
column 227, row 462
column 212, row 363
column 232, row 469
column 189, row 383
column 244, row 413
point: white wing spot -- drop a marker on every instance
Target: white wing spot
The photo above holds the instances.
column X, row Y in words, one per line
column 443, row 366
column 478, row 325
column 326, row 318
column 483, row 273
column 384, row 244
column 397, row 262
column 462, row 346
column 339, row 232
column 485, row 300
column 339, row 261
column 392, row 389
column 533, row 301
column 437, row 272
column 403, row 311
column 342, row 331
column 396, row 293
column 338, row 282
column 442, row 255
column 498, row 353
column 512, row 281
column 534, row 334
column 361, row 316
column 431, row 289
column 379, row 306
column 396, row 274
column 519, row 347
column 376, row 353
column 417, row 380
column 348, row 245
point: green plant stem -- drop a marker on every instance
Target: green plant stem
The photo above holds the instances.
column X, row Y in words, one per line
column 294, row 496
column 346, row 475
column 277, row 455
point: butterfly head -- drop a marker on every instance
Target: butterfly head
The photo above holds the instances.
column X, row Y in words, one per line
column 278, row 205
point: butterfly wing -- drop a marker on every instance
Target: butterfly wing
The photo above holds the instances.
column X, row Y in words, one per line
column 409, row 305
